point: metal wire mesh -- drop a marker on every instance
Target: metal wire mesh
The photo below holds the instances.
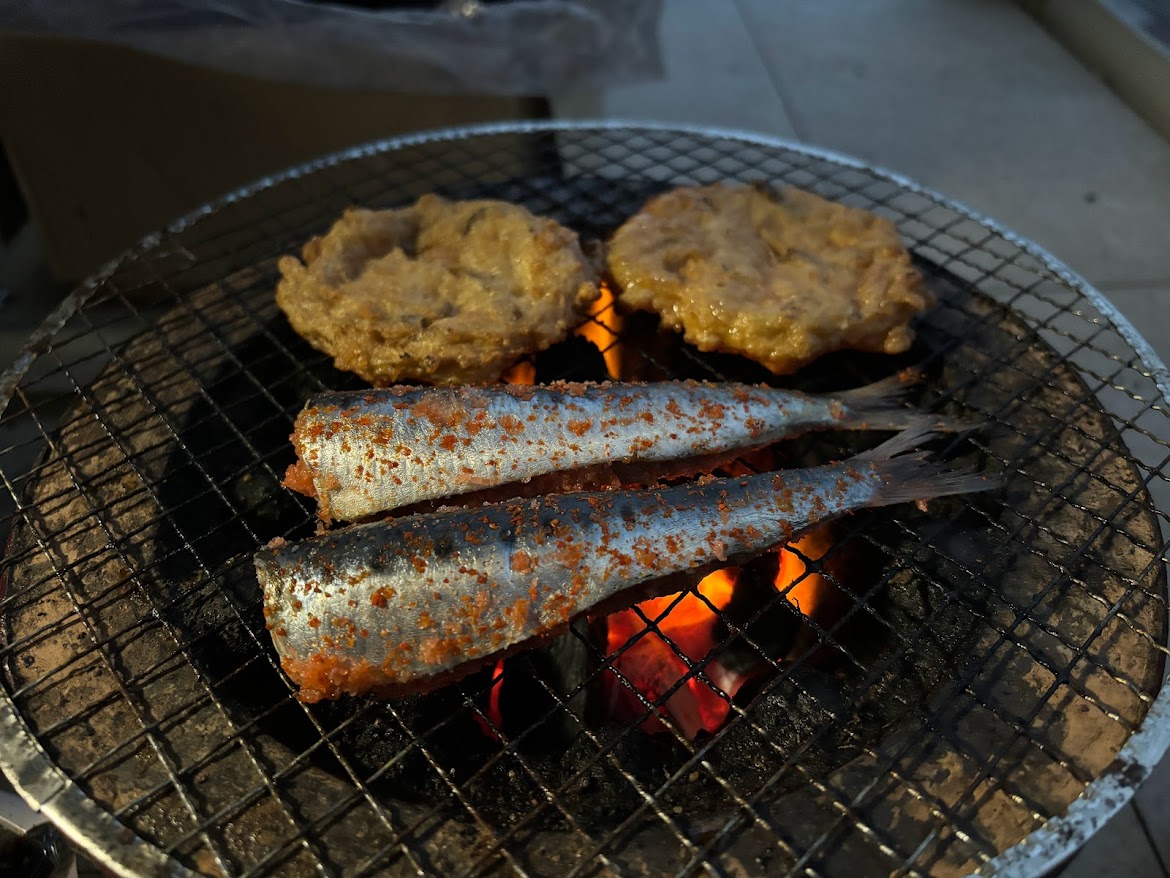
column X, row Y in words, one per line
column 1010, row 645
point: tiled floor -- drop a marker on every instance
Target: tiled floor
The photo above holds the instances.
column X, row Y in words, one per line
column 971, row 98
column 977, row 101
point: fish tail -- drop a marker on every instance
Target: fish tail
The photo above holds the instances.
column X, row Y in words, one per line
column 908, row 475
column 878, row 406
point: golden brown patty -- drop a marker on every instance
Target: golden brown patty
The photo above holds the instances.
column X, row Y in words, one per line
column 781, row 277
column 446, row 292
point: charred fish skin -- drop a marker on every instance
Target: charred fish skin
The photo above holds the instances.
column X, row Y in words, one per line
column 397, row 606
column 367, row 452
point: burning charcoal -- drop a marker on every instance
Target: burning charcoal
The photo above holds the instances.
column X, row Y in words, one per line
column 570, row 665
column 539, row 683
column 657, row 666
column 774, row 631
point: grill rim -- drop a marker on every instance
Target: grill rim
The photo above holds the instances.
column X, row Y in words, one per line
column 47, row 788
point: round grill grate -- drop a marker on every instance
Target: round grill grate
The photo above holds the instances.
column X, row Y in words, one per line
column 1002, row 658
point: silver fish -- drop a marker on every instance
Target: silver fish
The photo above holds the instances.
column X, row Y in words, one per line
column 367, row 452
column 411, row 603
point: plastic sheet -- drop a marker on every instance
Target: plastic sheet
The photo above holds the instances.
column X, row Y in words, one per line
column 527, row 47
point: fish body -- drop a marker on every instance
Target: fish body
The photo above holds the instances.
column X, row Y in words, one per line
column 406, row 604
column 365, row 452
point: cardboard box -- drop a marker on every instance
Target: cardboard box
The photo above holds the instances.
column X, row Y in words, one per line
column 110, row 144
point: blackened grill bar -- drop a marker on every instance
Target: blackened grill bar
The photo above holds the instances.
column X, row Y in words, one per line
column 929, row 725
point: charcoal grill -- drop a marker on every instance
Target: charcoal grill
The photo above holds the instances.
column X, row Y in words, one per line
column 994, row 692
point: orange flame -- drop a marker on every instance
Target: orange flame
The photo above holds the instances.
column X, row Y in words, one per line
column 652, row 666
column 603, row 328
column 809, row 592
column 494, row 714
column 495, row 718
column 520, row 372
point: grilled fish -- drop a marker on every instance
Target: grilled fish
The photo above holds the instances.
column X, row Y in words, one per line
column 366, row 452
column 411, row 603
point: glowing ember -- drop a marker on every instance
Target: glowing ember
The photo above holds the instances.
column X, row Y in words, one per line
column 809, row 592
column 494, row 699
column 602, row 329
column 520, row 372
column 495, row 718
column 652, row 666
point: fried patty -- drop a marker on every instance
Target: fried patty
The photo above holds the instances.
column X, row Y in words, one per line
column 446, row 292
column 781, row 277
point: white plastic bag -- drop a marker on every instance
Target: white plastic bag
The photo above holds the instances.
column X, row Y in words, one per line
column 526, row 47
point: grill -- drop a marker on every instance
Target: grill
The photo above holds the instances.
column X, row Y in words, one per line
column 992, row 695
